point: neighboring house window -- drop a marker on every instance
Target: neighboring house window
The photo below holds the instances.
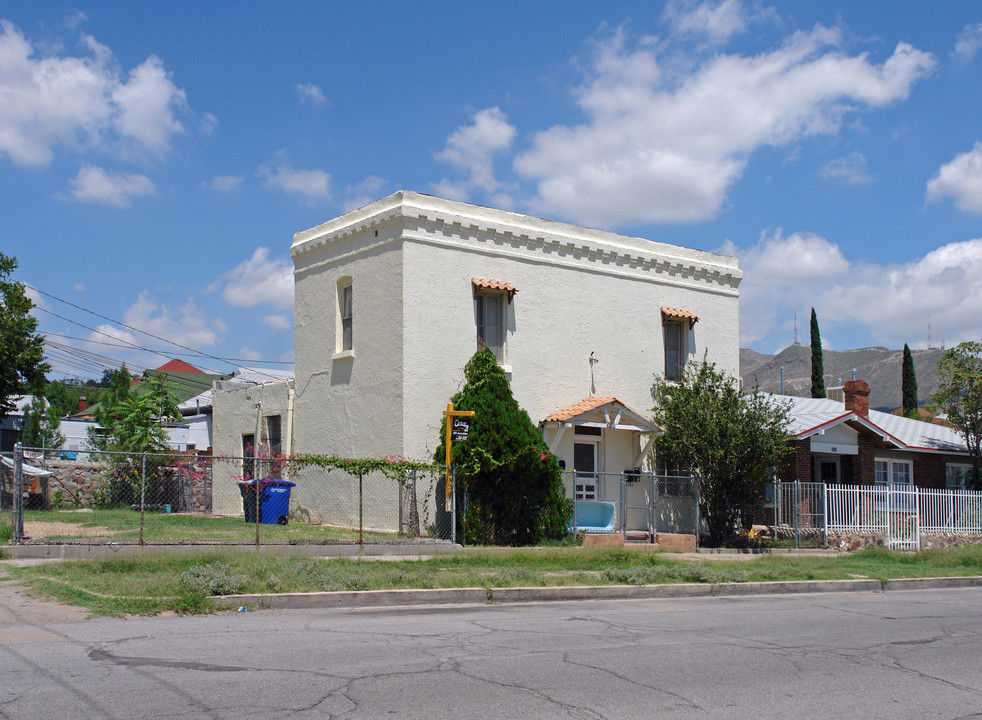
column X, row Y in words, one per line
column 345, row 340
column 490, row 311
column 273, row 437
column 899, row 472
column 954, row 475
column 248, row 456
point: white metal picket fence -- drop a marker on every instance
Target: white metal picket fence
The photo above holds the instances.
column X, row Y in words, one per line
column 901, row 514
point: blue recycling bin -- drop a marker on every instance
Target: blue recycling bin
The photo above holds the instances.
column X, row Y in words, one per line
column 274, row 500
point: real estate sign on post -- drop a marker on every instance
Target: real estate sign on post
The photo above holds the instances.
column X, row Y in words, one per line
column 453, row 432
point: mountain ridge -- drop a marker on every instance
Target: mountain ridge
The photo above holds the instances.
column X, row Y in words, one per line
column 879, row 366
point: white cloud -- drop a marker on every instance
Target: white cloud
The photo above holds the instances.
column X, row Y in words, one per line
column 968, row 43
column 208, row 124
column 660, row 146
column 80, row 287
column 311, row 93
column 313, row 185
column 276, row 322
column 716, row 21
column 850, row 169
column 93, row 184
column 146, row 106
column 259, row 280
column 186, row 325
column 226, row 183
column 80, row 101
column 368, row 190
column 471, row 148
column 247, row 353
column 960, row 180
column 893, row 301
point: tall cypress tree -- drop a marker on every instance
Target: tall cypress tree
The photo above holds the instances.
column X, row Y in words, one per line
column 818, row 366
column 908, row 383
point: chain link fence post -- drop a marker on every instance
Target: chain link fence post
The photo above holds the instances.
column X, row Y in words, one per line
column 18, row 498
column 695, row 480
column 453, row 503
column 143, row 491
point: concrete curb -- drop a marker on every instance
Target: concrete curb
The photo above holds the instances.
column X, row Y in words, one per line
column 467, row 596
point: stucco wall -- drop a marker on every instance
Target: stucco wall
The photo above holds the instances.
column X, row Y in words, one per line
column 412, row 257
column 235, row 416
column 350, row 405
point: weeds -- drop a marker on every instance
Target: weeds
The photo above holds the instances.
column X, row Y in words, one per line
column 153, row 583
column 213, row 579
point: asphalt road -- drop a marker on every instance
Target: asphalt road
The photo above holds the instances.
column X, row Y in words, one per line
column 905, row 654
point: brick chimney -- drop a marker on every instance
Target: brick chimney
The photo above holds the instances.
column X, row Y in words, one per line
column 82, row 403
column 857, row 397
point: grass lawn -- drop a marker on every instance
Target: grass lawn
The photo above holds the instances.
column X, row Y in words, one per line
column 147, row 585
column 124, row 524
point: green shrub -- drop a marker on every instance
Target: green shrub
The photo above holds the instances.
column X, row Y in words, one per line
column 213, row 579
column 6, row 532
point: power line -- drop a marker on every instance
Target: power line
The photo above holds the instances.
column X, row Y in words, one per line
column 175, row 354
column 134, row 329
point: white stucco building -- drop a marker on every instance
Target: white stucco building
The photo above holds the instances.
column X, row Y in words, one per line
column 392, row 299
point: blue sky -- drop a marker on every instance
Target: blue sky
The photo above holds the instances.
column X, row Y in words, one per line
column 156, row 158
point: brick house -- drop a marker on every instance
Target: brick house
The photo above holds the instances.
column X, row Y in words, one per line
column 846, row 442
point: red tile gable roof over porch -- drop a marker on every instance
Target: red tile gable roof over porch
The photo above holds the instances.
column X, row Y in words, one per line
column 592, row 404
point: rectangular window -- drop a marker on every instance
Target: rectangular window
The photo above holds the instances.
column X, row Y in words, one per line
column 954, row 475
column 674, row 357
column 345, row 317
column 248, row 456
column 490, row 314
column 899, row 472
column 273, row 439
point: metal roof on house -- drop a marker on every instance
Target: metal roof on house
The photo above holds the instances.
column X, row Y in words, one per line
column 811, row 415
column 242, row 376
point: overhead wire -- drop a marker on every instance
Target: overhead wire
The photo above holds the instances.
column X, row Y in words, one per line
column 196, row 353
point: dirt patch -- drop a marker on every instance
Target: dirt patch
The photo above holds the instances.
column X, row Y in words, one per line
column 36, row 529
column 22, row 617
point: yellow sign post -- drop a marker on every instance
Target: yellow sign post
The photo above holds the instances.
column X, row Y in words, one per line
column 450, row 414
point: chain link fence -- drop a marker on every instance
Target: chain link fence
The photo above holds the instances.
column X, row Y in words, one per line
column 191, row 498
column 638, row 505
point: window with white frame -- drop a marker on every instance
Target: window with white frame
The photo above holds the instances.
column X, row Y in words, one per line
column 344, row 338
column 489, row 310
column 677, row 324
column 899, row 472
column 954, row 475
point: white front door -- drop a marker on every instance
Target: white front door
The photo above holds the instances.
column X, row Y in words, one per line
column 585, row 470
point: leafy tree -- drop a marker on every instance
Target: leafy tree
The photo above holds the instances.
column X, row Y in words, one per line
column 908, row 382
column 818, row 363
column 132, row 422
column 730, row 440
column 514, row 486
column 959, row 395
column 41, row 425
column 21, row 347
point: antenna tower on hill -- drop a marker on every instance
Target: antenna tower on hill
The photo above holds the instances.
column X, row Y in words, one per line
column 795, row 341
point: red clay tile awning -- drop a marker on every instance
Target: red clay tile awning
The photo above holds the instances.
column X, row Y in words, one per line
column 617, row 415
column 481, row 284
column 676, row 314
